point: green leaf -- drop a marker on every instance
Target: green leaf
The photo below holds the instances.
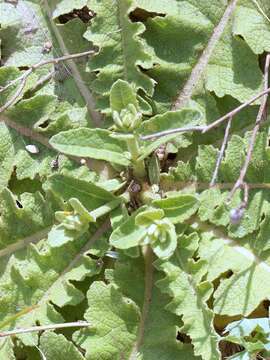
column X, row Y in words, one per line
column 148, row 216
column 128, row 234
column 170, row 120
column 241, row 76
column 89, row 194
column 92, row 143
column 6, row 349
column 212, row 207
column 30, row 213
column 66, row 6
column 38, row 276
column 137, row 278
column 154, row 170
column 183, row 282
column 162, row 65
column 121, row 95
column 256, row 28
column 205, row 162
column 178, row 208
column 120, row 49
column 113, row 318
column 249, row 272
column 147, row 226
column 57, row 346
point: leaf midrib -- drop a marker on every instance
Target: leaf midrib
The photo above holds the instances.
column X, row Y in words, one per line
column 148, row 287
column 197, row 71
column 83, row 88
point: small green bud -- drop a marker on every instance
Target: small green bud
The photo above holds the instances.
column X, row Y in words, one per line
column 128, row 119
column 158, row 231
column 117, row 120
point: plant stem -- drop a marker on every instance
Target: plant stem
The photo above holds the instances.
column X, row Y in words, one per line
column 23, row 78
column 221, row 153
column 138, row 165
column 105, row 209
column 205, row 128
column 44, row 327
column 260, row 118
column 148, row 289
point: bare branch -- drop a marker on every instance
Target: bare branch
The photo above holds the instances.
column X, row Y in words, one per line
column 44, row 328
column 43, row 80
column 236, row 110
column 18, row 92
column 62, row 58
column 206, row 128
column 221, row 152
column 172, row 131
column 12, row 82
column 23, row 78
column 200, row 186
column 260, row 117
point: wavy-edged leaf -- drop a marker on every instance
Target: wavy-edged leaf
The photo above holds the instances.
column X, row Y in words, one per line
column 121, row 52
column 57, row 346
column 242, row 292
column 39, row 276
column 256, row 27
column 207, row 53
column 157, row 328
column 183, row 283
column 114, row 320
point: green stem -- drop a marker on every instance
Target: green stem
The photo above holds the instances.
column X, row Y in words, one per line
column 138, row 165
column 104, row 209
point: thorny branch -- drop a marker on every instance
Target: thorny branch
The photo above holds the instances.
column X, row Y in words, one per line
column 44, row 327
column 23, row 78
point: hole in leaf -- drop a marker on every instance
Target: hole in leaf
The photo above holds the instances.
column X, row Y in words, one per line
column 18, row 187
column 262, row 217
column 23, row 68
column 142, row 15
column 221, row 321
column 171, row 156
column 261, row 310
column 239, row 37
column 262, row 59
column 85, row 14
column 183, row 338
column 19, row 204
column 228, row 349
column 44, row 124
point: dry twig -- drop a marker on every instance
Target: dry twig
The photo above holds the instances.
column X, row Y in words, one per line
column 260, row 117
column 206, row 128
column 17, row 93
column 44, row 327
column 221, row 152
column 23, row 78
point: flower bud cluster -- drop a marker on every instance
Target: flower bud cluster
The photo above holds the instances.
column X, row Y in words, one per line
column 128, row 119
column 158, row 231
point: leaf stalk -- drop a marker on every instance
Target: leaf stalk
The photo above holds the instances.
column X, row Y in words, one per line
column 134, row 149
